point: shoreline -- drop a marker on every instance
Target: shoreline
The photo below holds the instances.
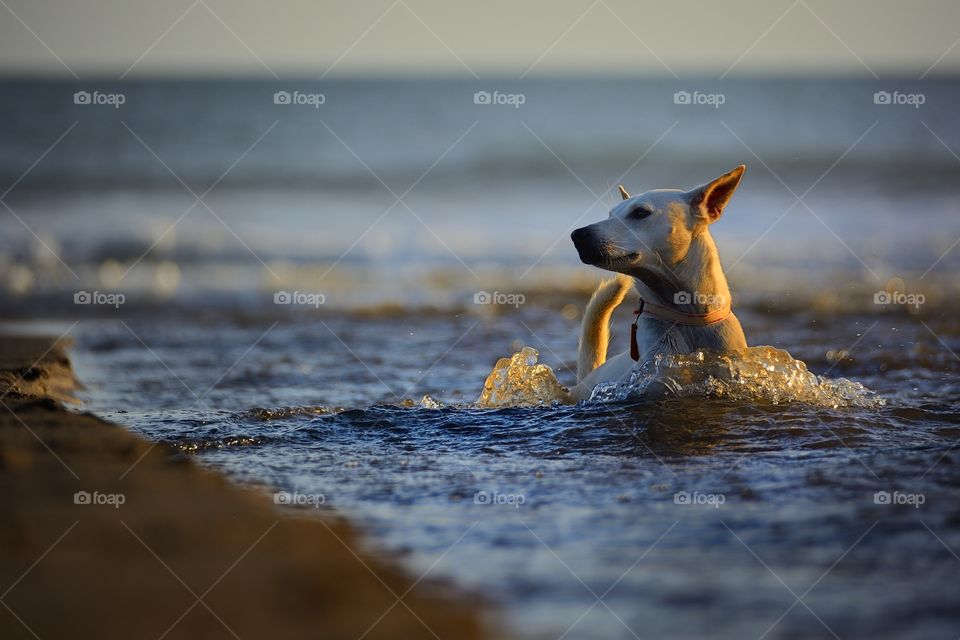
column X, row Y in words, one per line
column 104, row 534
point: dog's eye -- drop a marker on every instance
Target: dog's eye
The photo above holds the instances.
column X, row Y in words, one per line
column 640, row 213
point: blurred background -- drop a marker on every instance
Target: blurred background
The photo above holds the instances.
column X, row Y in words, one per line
column 416, row 152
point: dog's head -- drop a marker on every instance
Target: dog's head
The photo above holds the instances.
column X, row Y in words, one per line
column 654, row 228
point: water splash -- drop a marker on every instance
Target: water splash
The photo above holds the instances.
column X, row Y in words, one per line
column 426, row 402
column 520, row 381
column 757, row 374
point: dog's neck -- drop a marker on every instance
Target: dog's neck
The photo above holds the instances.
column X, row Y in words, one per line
column 698, row 274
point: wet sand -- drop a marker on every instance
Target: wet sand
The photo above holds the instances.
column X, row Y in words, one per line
column 186, row 554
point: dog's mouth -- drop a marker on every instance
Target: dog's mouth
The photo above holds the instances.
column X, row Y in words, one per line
column 619, row 260
column 597, row 257
column 596, row 253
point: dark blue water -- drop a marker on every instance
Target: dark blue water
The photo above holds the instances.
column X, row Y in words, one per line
column 690, row 517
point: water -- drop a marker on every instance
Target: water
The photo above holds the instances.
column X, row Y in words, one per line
column 298, row 198
column 755, row 374
column 705, row 513
column 596, row 484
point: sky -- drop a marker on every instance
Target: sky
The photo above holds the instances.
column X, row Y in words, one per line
column 470, row 38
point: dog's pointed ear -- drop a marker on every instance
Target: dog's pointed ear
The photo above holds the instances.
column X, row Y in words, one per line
column 623, row 193
column 708, row 201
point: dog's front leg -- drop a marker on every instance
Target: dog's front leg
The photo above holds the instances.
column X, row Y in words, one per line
column 616, row 369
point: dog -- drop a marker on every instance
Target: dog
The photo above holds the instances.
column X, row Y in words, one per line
column 659, row 244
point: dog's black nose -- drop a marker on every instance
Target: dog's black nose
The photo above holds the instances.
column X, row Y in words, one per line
column 583, row 240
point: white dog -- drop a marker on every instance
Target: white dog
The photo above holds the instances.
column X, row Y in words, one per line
column 660, row 243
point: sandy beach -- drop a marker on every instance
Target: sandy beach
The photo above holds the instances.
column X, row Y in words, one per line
column 164, row 549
